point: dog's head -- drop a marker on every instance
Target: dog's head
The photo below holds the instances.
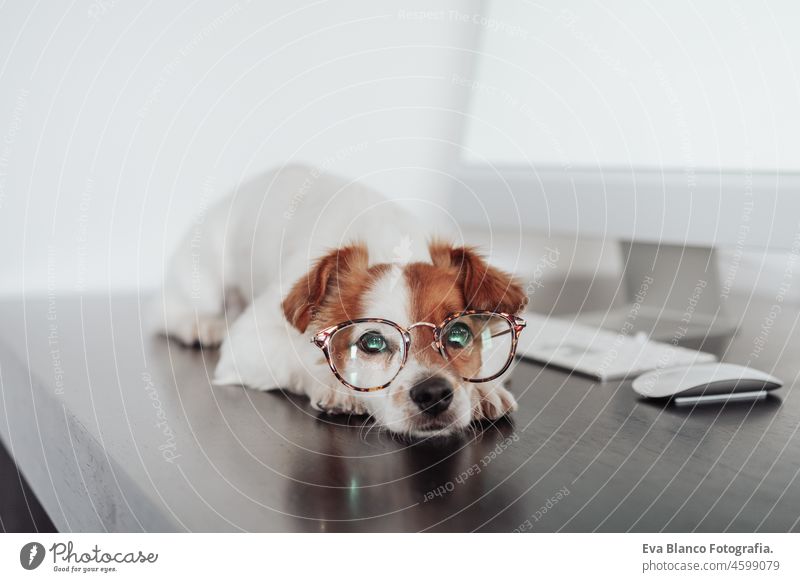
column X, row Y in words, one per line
column 429, row 394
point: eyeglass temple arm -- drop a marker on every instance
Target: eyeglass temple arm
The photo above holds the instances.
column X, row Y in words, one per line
column 506, row 332
column 519, row 325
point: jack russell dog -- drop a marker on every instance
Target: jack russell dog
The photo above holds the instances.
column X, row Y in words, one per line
column 323, row 287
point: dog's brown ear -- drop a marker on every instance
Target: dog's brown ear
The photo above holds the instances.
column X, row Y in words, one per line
column 308, row 294
column 485, row 287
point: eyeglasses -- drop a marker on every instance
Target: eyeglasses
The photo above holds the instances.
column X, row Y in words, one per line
column 367, row 354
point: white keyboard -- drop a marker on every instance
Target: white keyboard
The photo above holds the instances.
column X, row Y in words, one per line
column 600, row 353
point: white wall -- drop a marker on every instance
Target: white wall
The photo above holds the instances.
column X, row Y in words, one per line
column 119, row 120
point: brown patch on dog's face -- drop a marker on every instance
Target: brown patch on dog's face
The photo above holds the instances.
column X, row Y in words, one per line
column 458, row 280
column 332, row 290
column 344, row 300
column 484, row 287
column 434, row 293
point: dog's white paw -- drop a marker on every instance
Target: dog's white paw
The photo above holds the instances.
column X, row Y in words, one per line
column 198, row 330
column 493, row 401
column 336, row 401
column 209, row 331
column 206, row 331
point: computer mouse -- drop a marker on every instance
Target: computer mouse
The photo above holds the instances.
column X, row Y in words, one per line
column 702, row 383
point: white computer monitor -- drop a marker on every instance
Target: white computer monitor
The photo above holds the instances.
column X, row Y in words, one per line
column 673, row 128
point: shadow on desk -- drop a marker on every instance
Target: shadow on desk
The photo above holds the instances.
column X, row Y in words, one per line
column 20, row 511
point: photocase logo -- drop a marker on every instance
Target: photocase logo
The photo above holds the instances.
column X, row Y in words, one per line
column 31, row 555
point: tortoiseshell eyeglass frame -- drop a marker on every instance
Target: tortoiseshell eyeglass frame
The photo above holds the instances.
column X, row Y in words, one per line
column 323, row 337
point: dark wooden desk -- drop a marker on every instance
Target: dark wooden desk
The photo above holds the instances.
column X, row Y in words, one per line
column 118, row 431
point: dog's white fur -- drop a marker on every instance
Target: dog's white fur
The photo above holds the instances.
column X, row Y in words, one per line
column 226, row 282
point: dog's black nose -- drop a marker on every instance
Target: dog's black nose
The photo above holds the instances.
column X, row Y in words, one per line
column 433, row 395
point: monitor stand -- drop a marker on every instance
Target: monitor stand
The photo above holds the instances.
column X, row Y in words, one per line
column 673, row 295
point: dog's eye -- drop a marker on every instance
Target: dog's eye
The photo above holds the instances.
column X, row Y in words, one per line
column 458, row 335
column 372, row 343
